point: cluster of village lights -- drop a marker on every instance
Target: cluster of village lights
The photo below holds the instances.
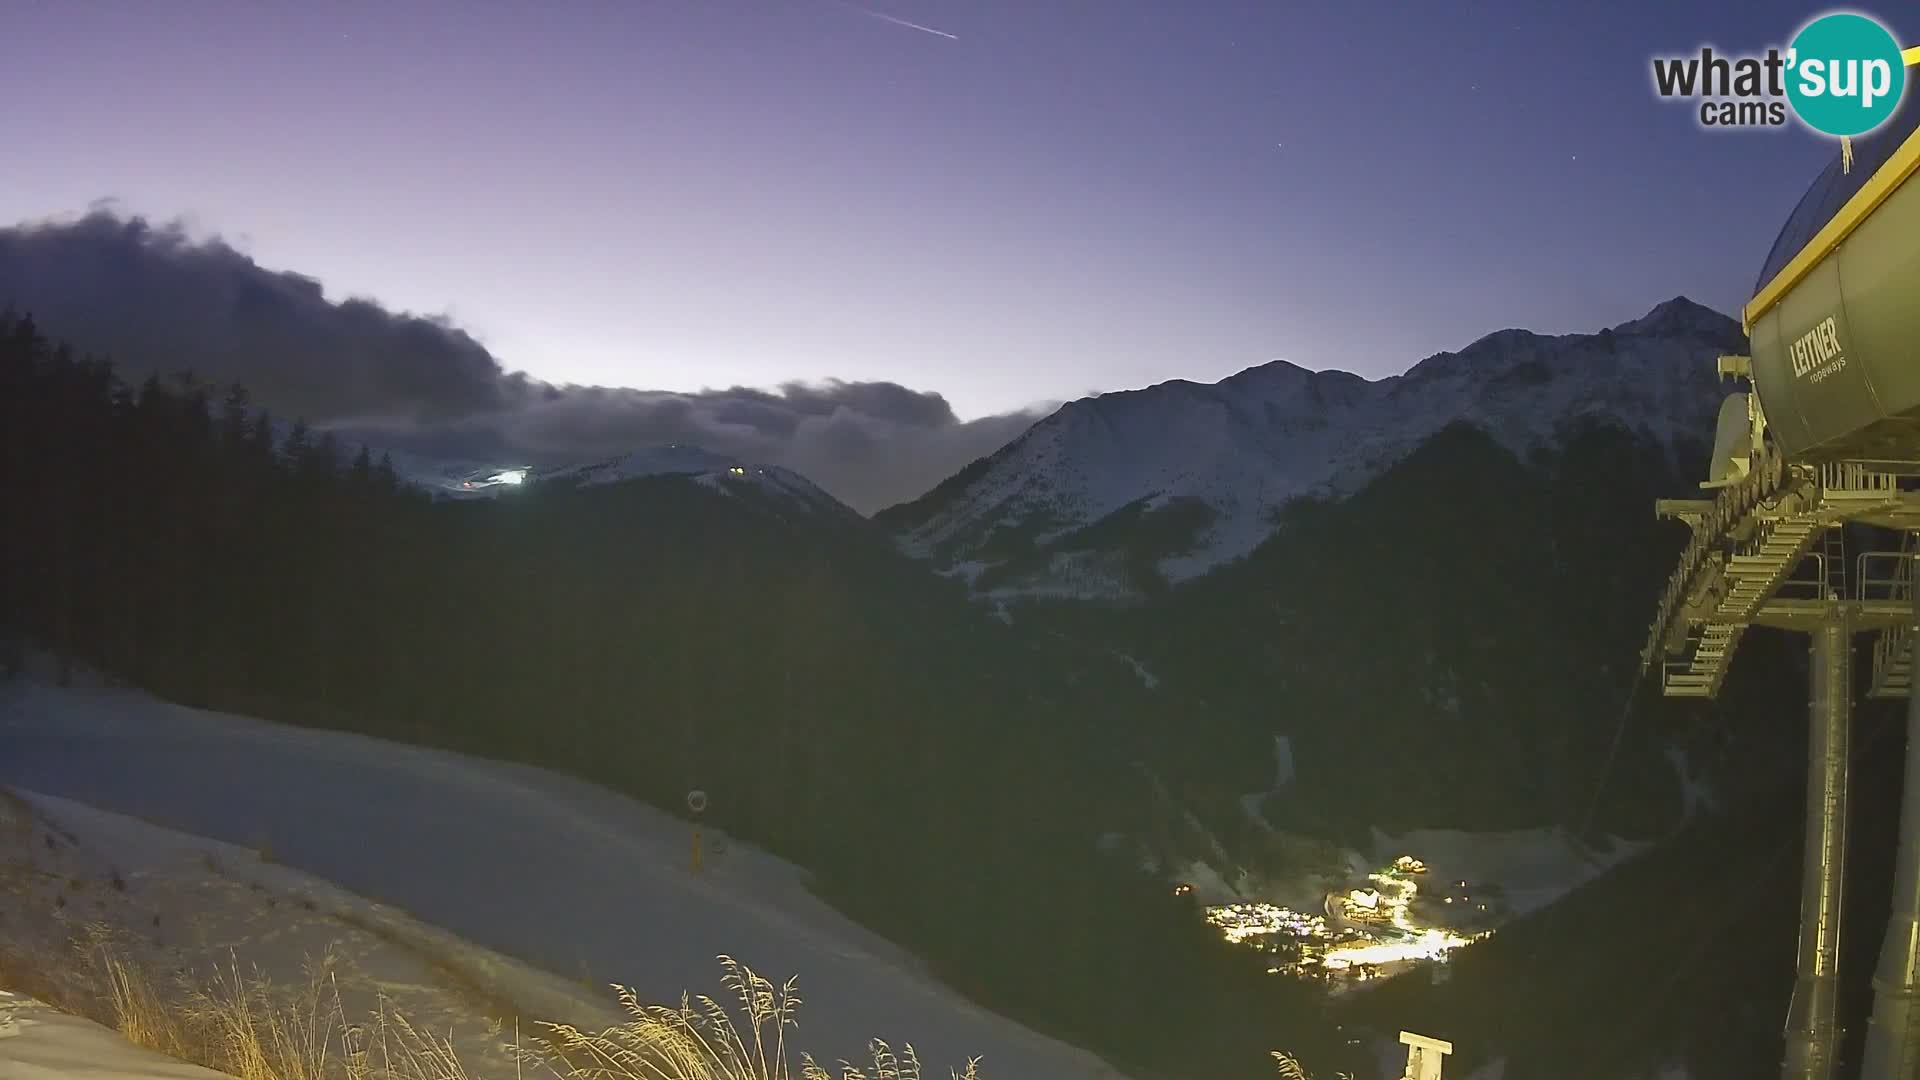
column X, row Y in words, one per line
column 1376, row 926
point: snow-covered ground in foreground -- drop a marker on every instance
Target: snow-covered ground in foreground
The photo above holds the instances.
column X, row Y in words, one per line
column 38, row 1043
column 180, row 903
column 538, row 866
column 1533, row 867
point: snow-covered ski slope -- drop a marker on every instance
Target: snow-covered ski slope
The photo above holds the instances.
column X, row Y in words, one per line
column 38, row 1043
column 170, row 902
column 557, row 872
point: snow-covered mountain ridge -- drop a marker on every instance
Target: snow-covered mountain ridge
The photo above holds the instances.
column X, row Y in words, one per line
column 466, row 479
column 1198, row 470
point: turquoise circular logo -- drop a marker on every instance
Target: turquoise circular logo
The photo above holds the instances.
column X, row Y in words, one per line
column 1845, row 76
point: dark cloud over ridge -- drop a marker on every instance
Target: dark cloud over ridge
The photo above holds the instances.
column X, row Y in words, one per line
column 159, row 300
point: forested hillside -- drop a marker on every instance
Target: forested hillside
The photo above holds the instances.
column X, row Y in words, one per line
column 1453, row 646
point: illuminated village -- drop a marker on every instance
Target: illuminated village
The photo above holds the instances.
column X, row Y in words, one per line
column 1398, row 921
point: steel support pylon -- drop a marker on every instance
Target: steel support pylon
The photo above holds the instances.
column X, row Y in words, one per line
column 1812, row 1033
column 1893, row 1042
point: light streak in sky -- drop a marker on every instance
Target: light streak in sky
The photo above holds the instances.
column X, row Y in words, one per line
column 896, row 20
column 910, row 25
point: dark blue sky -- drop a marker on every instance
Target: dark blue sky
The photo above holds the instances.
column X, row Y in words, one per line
column 1065, row 195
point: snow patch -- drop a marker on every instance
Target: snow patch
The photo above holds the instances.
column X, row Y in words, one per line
column 40, row 1043
column 1282, row 761
column 1147, row 678
column 1208, row 886
column 1492, row 1070
column 1253, row 805
column 1532, row 867
column 1252, row 802
column 968, row 571
column 1695, row 794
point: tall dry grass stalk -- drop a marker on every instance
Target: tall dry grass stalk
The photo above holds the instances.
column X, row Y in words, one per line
column 258, row 1034
column 704, row 1040
column 136, row 1010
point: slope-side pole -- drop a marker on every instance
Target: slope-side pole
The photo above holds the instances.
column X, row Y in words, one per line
column 1892, row 1041
column 1812, row 1036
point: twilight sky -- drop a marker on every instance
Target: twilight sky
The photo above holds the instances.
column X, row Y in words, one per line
column 1041, row 199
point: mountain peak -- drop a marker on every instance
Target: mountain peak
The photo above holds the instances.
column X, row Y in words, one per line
column 1182, row 476
column 1270, row 369
column 1679, row 315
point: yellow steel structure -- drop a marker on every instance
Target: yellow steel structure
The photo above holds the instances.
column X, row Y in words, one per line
column 1768, row 548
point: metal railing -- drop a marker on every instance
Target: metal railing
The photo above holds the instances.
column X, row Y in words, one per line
column 1892, row 648
column 1807, row 588
column 1848, row 478
column 1884, row 575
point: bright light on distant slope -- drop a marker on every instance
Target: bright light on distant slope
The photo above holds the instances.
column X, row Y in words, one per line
column 495, row 477
column 485, row 480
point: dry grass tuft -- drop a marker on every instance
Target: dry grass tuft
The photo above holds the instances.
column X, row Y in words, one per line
column 1291, row 1069
column 486, row 1002
column 16, row 814
column 132, row 1005
column 238, row 1022
column 705, row 1040
column 256, row 1034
